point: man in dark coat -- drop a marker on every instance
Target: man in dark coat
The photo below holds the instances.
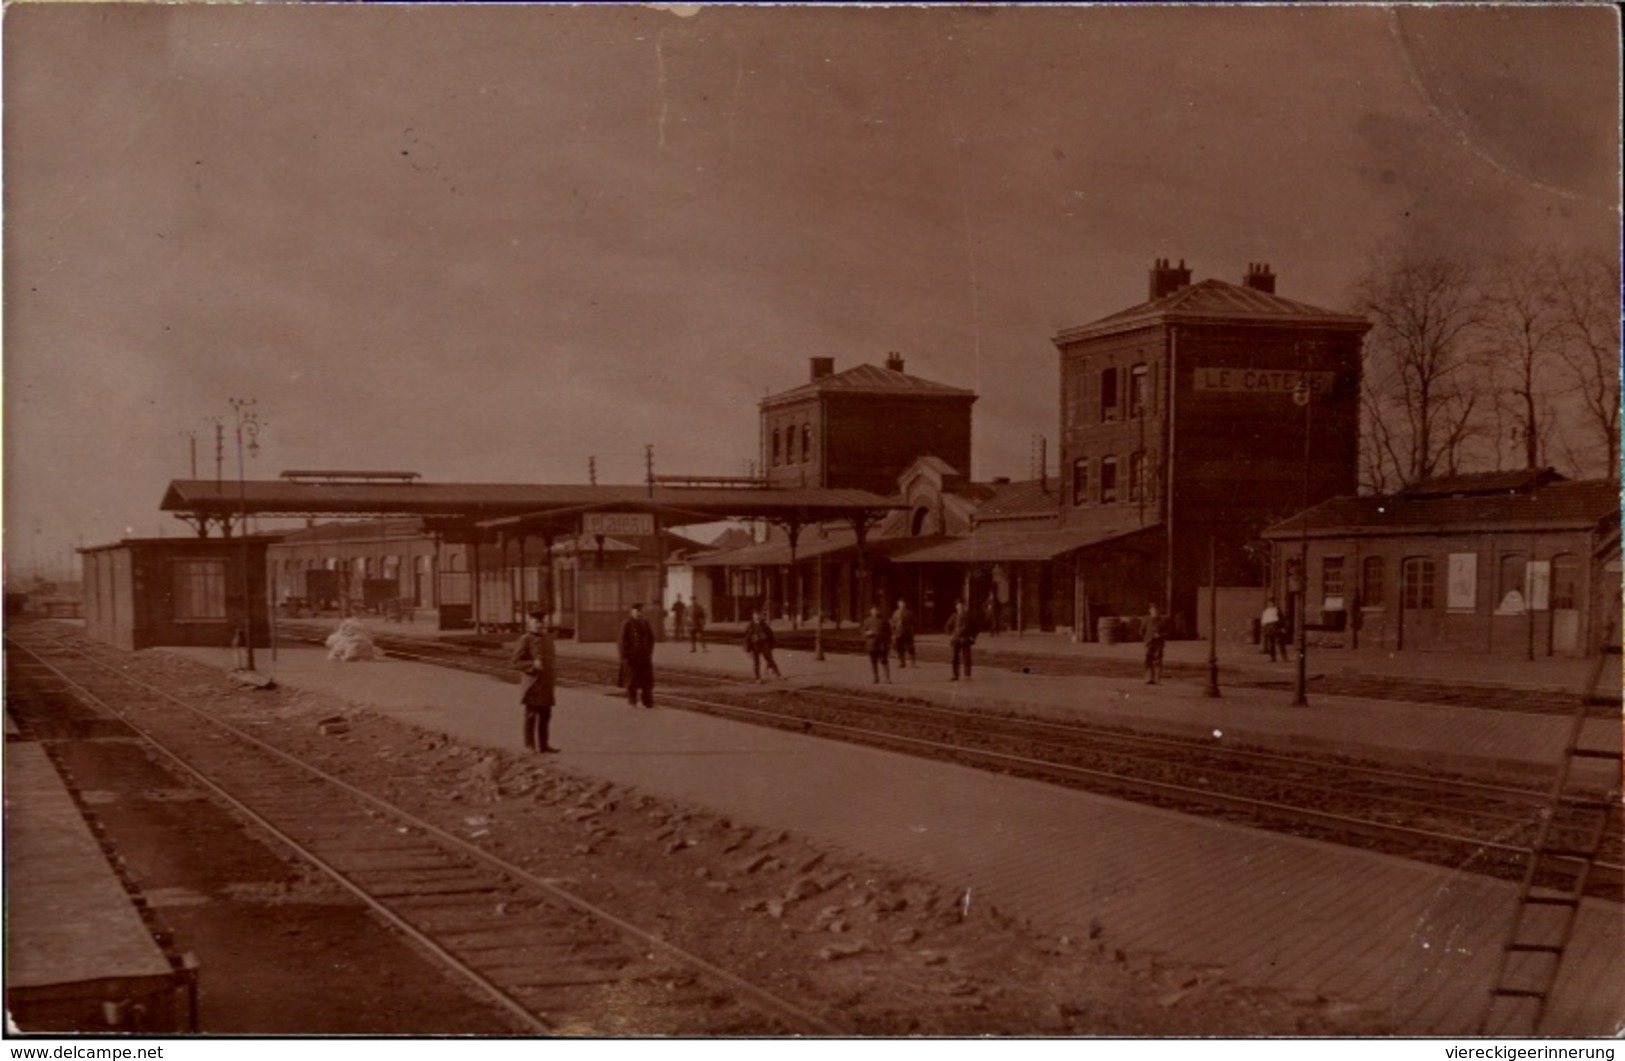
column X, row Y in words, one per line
column 696, row 627
column 759, row 644
column 961, row 636
column 535, row 657
column 902, row 631
column 637, row 648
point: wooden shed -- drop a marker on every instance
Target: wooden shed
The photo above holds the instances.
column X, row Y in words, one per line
column 141, row 592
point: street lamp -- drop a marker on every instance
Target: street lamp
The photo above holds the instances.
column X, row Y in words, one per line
column 248, row 428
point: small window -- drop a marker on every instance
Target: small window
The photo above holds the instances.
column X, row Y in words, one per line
column 200, row 590
column 778, row 451
column 1373, row 576
column 1108, row 480
column 1080, row 480
column 806, row 442
column 1108, row 394
column 1417, row 578
column 1139, row 390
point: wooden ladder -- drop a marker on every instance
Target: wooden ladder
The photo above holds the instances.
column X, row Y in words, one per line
column 1572, row 827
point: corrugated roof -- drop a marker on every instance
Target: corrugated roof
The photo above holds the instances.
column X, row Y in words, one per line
column 869, row 379
column 1216, row 300
column 1561, row 505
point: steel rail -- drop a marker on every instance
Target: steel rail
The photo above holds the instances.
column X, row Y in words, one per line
column 770, row 1003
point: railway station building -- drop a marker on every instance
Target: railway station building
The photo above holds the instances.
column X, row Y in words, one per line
column 1209, row 411
column 1521, row 564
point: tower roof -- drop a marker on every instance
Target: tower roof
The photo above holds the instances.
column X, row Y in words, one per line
column 1216, row 302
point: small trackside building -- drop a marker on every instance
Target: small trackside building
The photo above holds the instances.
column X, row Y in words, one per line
column 1499, row 562
column 141, row 592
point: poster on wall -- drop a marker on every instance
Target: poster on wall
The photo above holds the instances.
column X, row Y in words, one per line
column 1463, row 585
column 1538, row 584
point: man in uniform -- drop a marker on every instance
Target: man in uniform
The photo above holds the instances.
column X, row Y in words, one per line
column 637, row 648
column 535, row 657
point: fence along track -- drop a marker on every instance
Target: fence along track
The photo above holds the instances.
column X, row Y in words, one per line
column 543, row 954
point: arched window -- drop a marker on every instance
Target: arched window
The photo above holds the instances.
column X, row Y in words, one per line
column 1080, row 480
column 1108, row 480
column 1565, row 582
column 1416, row 583
column 1373, row 582
column 1509, row 584
column 806, row 442
column 916, row 521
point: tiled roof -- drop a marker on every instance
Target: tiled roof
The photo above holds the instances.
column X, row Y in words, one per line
column 1024, row 500
column 869, row 379
column 1561, row 505
column 1216, row 301
column 1484, row 483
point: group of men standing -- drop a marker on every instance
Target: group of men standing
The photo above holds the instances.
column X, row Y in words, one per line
column 536, row 655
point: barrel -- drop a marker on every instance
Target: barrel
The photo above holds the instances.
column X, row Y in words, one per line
column 1107, row 629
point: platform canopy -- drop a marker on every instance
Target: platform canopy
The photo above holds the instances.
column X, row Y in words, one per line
column 518, row 507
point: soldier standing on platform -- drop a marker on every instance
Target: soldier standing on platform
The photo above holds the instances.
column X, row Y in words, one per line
column 535, row 656
column 876, row 633
column 902, row 632
column 696, row 627
column 678, row 609
column 637, row 649
column 1156, row 634
column 759, row 643
column 961, row 636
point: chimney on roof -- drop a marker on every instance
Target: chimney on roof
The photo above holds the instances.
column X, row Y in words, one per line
column 1166, row 279
column 822, row 366
column 1259, row 277
column 894, row 361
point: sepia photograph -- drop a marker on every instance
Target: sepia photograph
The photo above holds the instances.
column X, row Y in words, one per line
column 659, row 524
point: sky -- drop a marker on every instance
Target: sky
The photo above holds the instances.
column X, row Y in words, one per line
column 488, row 243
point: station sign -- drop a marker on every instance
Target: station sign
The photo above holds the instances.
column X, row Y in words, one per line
column 1262, row 380
column 618, row 524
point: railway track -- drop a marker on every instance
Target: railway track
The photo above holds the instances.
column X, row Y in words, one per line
column 554, row 961
column 1483, row 825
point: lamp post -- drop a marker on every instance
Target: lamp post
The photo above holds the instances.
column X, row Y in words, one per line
column 248, row 429
column 1212, row 620
column 1301, row 395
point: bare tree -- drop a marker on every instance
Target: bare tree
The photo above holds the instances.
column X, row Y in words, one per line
column 1422, row 384
column 1587, row 297
column 1523, row 334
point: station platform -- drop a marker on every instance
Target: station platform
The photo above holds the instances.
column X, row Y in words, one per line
column 79, row 957
column 1415, row 943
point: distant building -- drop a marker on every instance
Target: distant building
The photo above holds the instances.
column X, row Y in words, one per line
column 1213, row 409
column 863, row 427
column 1522, row 564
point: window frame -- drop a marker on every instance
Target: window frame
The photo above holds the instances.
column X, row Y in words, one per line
column 1378, row 599
column 1108, row 480
column 209, row 585
column 1080, row 481
column 1418, row 594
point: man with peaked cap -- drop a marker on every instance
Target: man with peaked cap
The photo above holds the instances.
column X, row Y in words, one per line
column 535, row 657
column 637, row 649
